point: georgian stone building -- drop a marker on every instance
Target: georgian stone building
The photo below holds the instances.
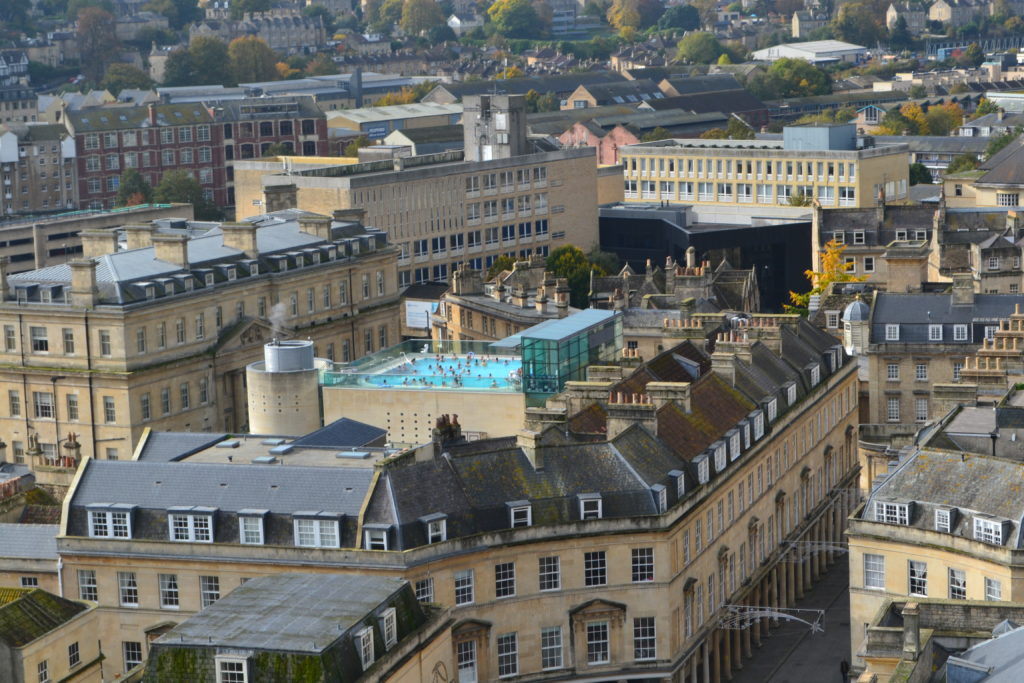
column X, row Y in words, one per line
column 158, row 335
column 605, row 541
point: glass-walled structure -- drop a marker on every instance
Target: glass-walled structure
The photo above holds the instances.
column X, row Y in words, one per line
column 559, row 351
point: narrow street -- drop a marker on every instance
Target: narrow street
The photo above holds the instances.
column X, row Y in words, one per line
column 793, row 654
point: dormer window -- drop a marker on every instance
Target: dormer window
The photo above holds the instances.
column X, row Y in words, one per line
column 209, row 279
column 680, row 480
column 892, row 332
column 437, row 527
column 943, row 520
column 365, row 640
column 746, row 434
column 254, row 268
column 892, row 513
column 590, row 506
column 791, row 393
column 250, row 526
column 316, row 257
column 734, row 446
column 988, row 530
column 815, row 375
column 231, row 273
column 110, row 521
column 759, row 424
column 316, row 530
column 190, row 524
column 375, row 536
column 773, row 410
column 150, row 292
column 959, row 332
column 520, row 513
column 660, row 494
column 935, row 333
column 703, row 468
column 188, row 284
column 720, row 458
column 389, row 628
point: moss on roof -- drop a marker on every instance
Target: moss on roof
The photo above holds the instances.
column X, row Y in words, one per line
column 28, row 614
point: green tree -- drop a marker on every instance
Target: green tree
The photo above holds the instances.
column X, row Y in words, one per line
column 834, row 268
column 314, row 11
column 535, row 102
column 513, row 18
column 790, row 78
column 74, row 7
column 571, row 263
column 133, row 189
column 658, row 133
column 917, row 92
column 120, row 76
column 700, row 47
column 352, row 148
column 920, row 175
column 98, row 45
column 680, row 17
column 210, row 63
column 985, row 106
column 180, row 187
column 321, row 65
column 240, row 7
column 503, row 262
column 964, row 162
column 420, row 15
column 278, row 149
column 388, row 13
column 857, row 23
column 899, row 36
column 179, row 13
column 943, row 119
column 178, row 68
column 738, row 129
column 605, row 260
column 996, row 144
column 251, row 59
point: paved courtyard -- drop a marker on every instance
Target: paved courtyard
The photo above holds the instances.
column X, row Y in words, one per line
column 792, row 654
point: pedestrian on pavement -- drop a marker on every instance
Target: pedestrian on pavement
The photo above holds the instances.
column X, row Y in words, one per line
column 844, row 670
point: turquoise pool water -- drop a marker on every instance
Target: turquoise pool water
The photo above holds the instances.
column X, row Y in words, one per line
column 419, row 371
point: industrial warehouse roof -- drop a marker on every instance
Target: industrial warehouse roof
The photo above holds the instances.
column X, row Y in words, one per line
column 395, row 111
column 286, row 612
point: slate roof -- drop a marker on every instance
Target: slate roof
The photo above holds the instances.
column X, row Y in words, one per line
column 1006, row 167
column 230, row 488
column 708, row 83
column 976, row 484
column 559, row 83
column 29, row 541
column 174, row 446
column 117, row 118
column 286, row 612
column 726, row 101
column 342, row 433
column 623, row 92
column 1000, row 659
column 914, row 312
column 28, row 614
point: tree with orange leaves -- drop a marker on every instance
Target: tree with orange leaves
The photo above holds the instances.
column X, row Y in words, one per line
column 834, row 268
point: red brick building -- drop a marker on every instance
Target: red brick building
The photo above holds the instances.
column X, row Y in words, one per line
column 153, row 139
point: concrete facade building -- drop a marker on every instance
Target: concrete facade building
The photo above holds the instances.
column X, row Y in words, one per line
column 37, row 163
column 499, row 196
column 827, row 164
column 159, row 335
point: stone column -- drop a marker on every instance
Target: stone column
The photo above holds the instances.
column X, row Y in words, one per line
column 726, row 655
column 759, row 624
column 747, row 636
column 705, row 651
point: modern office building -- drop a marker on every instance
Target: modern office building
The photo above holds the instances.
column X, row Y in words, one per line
column 159, row 334
column 501, row 195
column 828, row 164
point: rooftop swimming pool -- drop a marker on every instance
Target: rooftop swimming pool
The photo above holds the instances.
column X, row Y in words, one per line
column 453, row 366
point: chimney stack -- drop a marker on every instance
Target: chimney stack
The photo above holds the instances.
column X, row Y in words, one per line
column 97, row 243
column 527, row 441
column 241, row 236
column 912, row 630
column 351, row 215
column 280, row 197
column 172, row 249
column 963, row 289
column 316, row 225
column 83, row 283
column 139, row 236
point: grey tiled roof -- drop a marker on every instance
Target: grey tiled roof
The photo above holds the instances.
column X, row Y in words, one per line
column 172, row 446
column 342, row 433
column 286, row 612
column 230, row 488
column 915, row 312
column 29, row 541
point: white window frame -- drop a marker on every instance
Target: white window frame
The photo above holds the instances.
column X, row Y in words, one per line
column 943, row 519
column 935, row 333
column 917, row 572
column 375, row 539
column 437, row 530
column 988, row 531
column 464, row 582
column 221, row 660
column 892, row 332
column 874, row 571
column 892, row 513
column 957, row 579
column 465, row 661
column 318, row 532
column 598, row 643
column 170, row 591
column 389, row 627
column 127, row 582
column 243, row 529
column 197, row 526
column 504, row 580
column 591, row 507
column 549, row 573
column 993, row 589
column 959, row 332
column 117, row 522
column 551, row 648
column 364, row 638
column 522, row 515
column 645, row 639
column 507, row 647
